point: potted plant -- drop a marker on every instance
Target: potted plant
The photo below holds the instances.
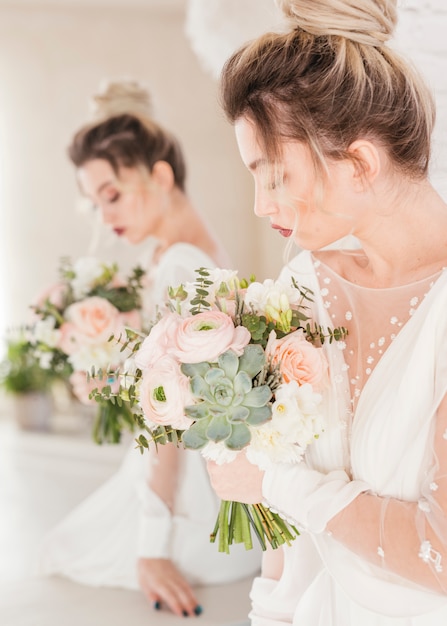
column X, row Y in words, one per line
column 22, row 377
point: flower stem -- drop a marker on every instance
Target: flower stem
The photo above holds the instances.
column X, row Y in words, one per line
column 236, row 520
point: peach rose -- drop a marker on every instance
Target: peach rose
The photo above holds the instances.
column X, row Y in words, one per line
column 207, row 335
column 89, row 321
column 164, row 393
column 298, row 359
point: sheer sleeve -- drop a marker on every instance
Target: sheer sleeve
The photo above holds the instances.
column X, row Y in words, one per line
column 407, row 538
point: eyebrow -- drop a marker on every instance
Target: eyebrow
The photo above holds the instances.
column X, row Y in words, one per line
column 104, row 185
column 256, row 163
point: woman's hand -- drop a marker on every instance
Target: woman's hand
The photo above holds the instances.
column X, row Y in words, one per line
column 163, row 584
column 239, row 481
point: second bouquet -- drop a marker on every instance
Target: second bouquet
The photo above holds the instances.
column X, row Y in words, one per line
column 231, row 367
column 72, row 326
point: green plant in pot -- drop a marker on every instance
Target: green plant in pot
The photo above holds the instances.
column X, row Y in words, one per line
column 23, row 377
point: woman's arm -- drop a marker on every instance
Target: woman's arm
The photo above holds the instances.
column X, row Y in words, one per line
column 407, row 538
column 158, row 577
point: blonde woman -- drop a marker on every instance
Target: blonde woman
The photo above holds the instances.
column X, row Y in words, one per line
column 335, row 128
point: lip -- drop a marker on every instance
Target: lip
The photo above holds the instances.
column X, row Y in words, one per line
column 118, row 231
column 284, row 232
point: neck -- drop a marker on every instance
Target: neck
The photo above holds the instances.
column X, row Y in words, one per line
column 405, row 242
column 184, row 224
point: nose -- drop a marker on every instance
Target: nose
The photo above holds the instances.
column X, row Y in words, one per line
column 107, row 213
column 264, row 204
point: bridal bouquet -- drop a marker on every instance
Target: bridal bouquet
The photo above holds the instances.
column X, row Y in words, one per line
column 72, row 326
column 232, row 367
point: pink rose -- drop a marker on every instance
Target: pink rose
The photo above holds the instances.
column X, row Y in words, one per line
column 298, row 359
column 205, row 336
column 90, row 321
column 164, row 393
column 159, row 341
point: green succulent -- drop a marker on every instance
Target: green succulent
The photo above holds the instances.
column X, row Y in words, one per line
column 228, row 403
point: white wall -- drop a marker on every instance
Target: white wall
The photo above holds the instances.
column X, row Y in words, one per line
column 51, row 61
column 52, row 57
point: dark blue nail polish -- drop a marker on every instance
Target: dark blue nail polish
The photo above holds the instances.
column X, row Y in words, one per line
column 157, row 605
column 185, row 614
column 198, row 610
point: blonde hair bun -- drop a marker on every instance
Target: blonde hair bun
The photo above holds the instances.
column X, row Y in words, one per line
column 116, row 97
column 370, row 22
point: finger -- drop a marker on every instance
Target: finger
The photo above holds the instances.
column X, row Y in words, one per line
column 180, row 598
column 152, row 597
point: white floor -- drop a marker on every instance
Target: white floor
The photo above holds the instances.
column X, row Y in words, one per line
column 42, row 476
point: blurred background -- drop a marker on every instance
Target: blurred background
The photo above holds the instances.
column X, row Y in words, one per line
column 54, row 54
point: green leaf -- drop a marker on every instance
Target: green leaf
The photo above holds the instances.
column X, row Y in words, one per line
column 229, row 362
column 195, row 369
column 252, row 360
column 239, row 438
column 238, row 414
column 197, row 411
column 259, row 415
column 258, row 396
column 195, row 437
column 242, row 383
column 214, row 375
column 219, row 428
column 200, row 389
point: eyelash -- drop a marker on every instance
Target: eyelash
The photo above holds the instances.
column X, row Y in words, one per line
column 275, row 184
column 111, row 200
column 114, row 198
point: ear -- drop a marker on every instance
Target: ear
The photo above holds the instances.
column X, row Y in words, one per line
column 163, row 175
column 367, row 162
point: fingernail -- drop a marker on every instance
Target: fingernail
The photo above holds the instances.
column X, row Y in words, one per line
column 185, row 614
column 157, row 605
column 198, row 610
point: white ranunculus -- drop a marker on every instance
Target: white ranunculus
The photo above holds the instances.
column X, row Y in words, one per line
column 45, row 332
column 164, row 392
column 87, row 270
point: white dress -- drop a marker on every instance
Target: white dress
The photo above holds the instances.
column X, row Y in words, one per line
column 99, row 542
column 386, row 435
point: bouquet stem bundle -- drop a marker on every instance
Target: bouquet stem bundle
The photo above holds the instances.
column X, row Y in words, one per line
column 236, row 520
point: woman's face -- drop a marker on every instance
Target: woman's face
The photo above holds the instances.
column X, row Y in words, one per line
column 287, row 196
column 129, row 204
